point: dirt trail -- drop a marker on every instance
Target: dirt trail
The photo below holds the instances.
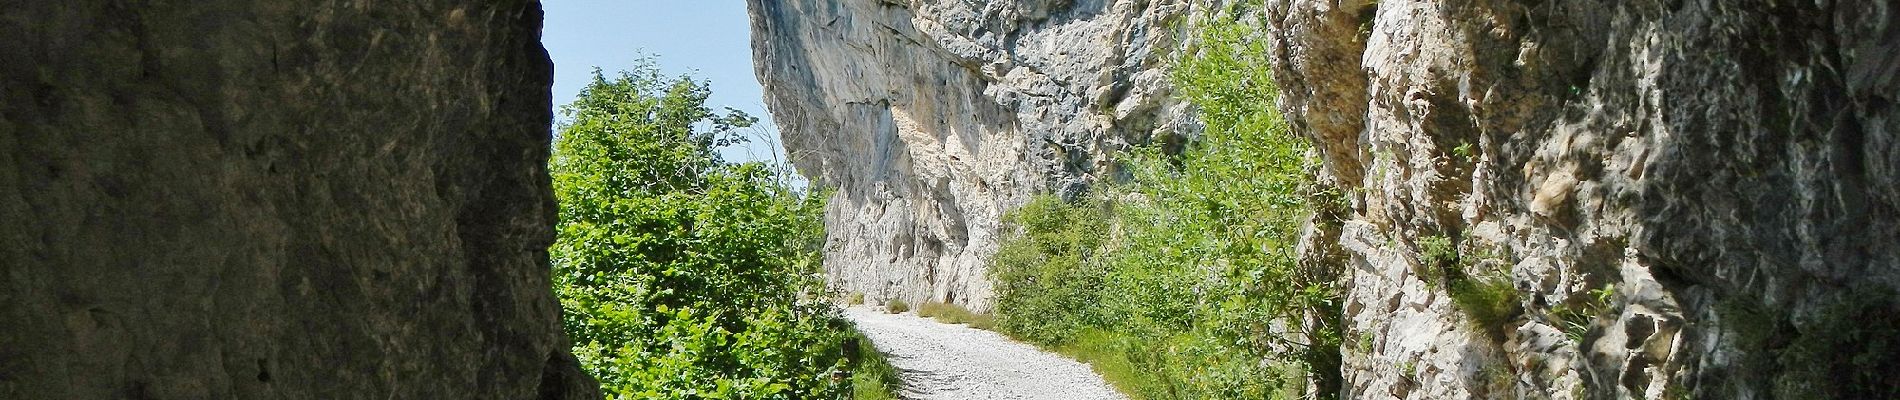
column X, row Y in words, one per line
column 945, row 361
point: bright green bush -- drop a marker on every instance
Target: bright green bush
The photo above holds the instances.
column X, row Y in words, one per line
column 682, row 275
column 1182, row 282
column 1047, row 278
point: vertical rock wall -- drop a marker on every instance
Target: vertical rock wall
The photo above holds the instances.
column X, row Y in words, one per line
column 1723, row 174
column 1689, row 199
column 933, row 118
column 290, row 199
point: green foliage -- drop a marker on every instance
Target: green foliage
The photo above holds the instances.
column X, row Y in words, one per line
column 682, row 275
column 896, row 306
column 874, row 378
column 1045, row 277
column 1182, row 282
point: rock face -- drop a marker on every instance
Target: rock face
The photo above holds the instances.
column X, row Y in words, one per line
column 1692, row 198
column 240, row 199
column 932, row 118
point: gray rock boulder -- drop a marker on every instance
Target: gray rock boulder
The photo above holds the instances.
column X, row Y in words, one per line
column 293, row 199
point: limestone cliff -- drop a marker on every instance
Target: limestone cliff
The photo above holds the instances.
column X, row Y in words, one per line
column 291, row 199
column 1716, row 184
column 1689, row 199
column 932, row 118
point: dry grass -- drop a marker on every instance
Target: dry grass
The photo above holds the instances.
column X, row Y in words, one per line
column 896, row 306
column 955, row 314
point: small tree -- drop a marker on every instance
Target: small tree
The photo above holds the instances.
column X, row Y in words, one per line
column 683, row 275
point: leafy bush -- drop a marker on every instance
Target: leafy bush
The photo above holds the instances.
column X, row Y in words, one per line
column 1182, row 282
column 682, row 275
column 1047, row 279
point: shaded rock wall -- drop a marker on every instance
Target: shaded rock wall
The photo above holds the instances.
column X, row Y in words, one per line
column 298, row 199
column 933, row 118
column 1730, row 167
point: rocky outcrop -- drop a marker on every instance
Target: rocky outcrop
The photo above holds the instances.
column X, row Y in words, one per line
column 1690, row 198
column 1683, row 199
column 932, row 118
column 309, row 200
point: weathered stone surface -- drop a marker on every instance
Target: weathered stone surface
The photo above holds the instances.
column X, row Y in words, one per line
column 1721, row 176
column 1701, row 156
column 290, row 199
column 933, row 118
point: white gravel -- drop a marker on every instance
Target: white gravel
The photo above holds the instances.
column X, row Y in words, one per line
column 946, row 361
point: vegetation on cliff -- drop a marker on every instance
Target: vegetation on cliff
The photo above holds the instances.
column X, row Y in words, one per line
column 683, row 275
column 1182, row 282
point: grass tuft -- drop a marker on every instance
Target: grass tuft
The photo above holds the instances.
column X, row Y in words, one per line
column 872, row 377
column 955, row 314
column 896, row 306
column 1490, row 301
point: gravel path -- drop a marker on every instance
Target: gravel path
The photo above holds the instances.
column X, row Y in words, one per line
column 945, row 361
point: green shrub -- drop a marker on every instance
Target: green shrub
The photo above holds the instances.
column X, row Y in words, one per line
column 1045, row 274
column 681, row 275
column 856, row 298
column 896, row 306
column 1182, row 282
column 1437, row 255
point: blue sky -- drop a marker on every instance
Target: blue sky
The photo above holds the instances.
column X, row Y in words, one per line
column 709, row 39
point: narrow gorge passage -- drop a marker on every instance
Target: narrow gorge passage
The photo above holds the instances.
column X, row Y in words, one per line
column 946, row 361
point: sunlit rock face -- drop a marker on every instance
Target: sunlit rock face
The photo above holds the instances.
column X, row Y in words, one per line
column 932, row 118
column 1690, row 199
column 1732, row 168
column 277, row 199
